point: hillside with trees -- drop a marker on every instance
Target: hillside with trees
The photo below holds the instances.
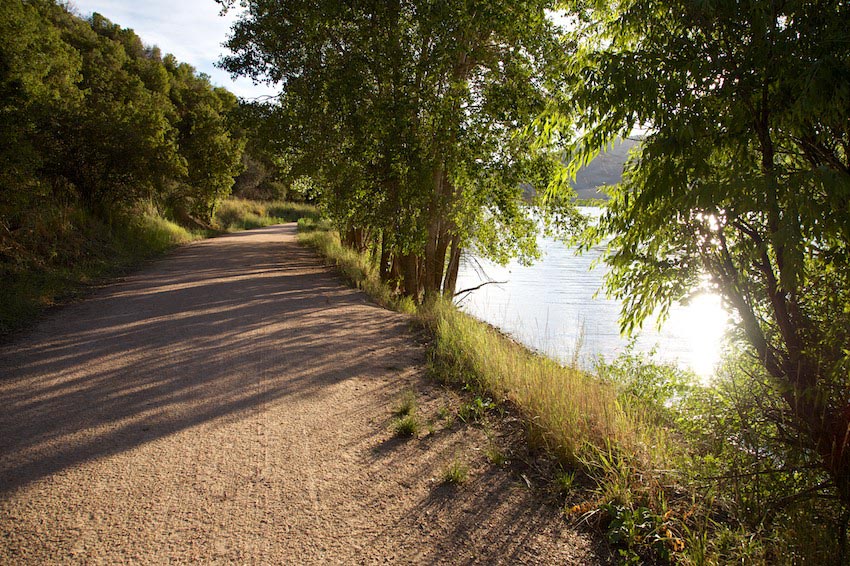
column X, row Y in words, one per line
column 99, row 131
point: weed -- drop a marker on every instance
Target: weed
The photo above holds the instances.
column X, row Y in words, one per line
column 475, row 410
column 457, row 472
column 406, row 426
column 565, row 481
column 495, row 455
column 407, row 404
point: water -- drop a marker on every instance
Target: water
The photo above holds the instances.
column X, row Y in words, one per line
column 550, row 307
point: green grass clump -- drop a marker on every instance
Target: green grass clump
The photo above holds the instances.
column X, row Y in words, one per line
column 457, row 472
column 406, row 426
column 495, row 455
column 407, row 404
column 475, row 410
column 565, row 481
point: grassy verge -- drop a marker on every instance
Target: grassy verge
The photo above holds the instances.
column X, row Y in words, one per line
column 643, row 454
column 58, row 253
column 583, row 422
column 357, row 268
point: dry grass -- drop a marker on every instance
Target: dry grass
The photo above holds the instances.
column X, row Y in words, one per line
column 235, row 214
column 356, row 268
column 569, row 412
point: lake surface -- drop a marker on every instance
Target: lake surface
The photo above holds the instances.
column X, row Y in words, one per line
column 550, row 307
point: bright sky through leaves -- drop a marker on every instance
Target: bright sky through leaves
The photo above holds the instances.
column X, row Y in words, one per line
column 192, row 30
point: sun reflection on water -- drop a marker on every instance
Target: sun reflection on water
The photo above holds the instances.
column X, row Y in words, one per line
column 552, row 307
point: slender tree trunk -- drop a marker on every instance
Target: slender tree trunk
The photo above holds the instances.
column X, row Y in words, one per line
column 433, row 229
column 450, row 284
column 385, row 261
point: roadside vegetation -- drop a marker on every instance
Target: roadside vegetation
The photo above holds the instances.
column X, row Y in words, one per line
column 427, row 130
column 645, row 454
column 59, row 253
column 112, row 152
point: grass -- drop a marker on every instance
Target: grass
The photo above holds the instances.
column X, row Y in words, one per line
column 406, row 426
column 406, row 423
column 569, row 413
column 355, row 267
column 407, row 404
column 583, row 421
column 456, row 473
column 495, row 455
column 235, row 214
column 55, row 254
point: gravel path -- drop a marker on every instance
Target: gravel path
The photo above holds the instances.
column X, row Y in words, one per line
column 232, row 403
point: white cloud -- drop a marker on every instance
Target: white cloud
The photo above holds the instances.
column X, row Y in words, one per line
column 193, row 30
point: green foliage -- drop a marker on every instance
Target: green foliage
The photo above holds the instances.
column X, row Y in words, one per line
column 404, row 121
column 475, row 410
column 240, row 214
column 656, row 387
column 91, row 115
column 98, row 137
column 740, row 185
column 407, row 404
column 639, row 534
column 565, row 481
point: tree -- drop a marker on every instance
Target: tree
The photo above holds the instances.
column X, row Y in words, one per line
column 408, row 115
column 209, row 141
column 742, row 182
column 38, row 75
column 117, row 145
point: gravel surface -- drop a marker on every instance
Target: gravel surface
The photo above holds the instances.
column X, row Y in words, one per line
column 232, row 403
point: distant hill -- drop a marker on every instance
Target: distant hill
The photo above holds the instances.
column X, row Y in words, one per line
column 606, row 169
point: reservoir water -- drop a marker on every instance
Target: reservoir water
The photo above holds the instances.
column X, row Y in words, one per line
column 550, row 307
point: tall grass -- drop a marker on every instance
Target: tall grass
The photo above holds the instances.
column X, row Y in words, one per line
column 355, row 267
column 571, row 414
column 56, row 252
column 587, row 423
column 240, row 214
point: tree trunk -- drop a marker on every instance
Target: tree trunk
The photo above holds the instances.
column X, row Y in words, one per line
column 450, row 284
column 411, row 275
column 385, row 260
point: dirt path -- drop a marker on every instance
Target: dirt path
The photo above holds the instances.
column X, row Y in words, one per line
column 232, row 404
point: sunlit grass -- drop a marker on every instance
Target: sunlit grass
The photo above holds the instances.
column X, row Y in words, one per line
column 240, row 214
column 56, row 252
column 355, row 267
column 569, row 412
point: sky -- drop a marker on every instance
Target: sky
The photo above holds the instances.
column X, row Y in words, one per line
column 192, row 30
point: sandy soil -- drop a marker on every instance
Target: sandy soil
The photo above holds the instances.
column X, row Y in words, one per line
column 232, row 403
